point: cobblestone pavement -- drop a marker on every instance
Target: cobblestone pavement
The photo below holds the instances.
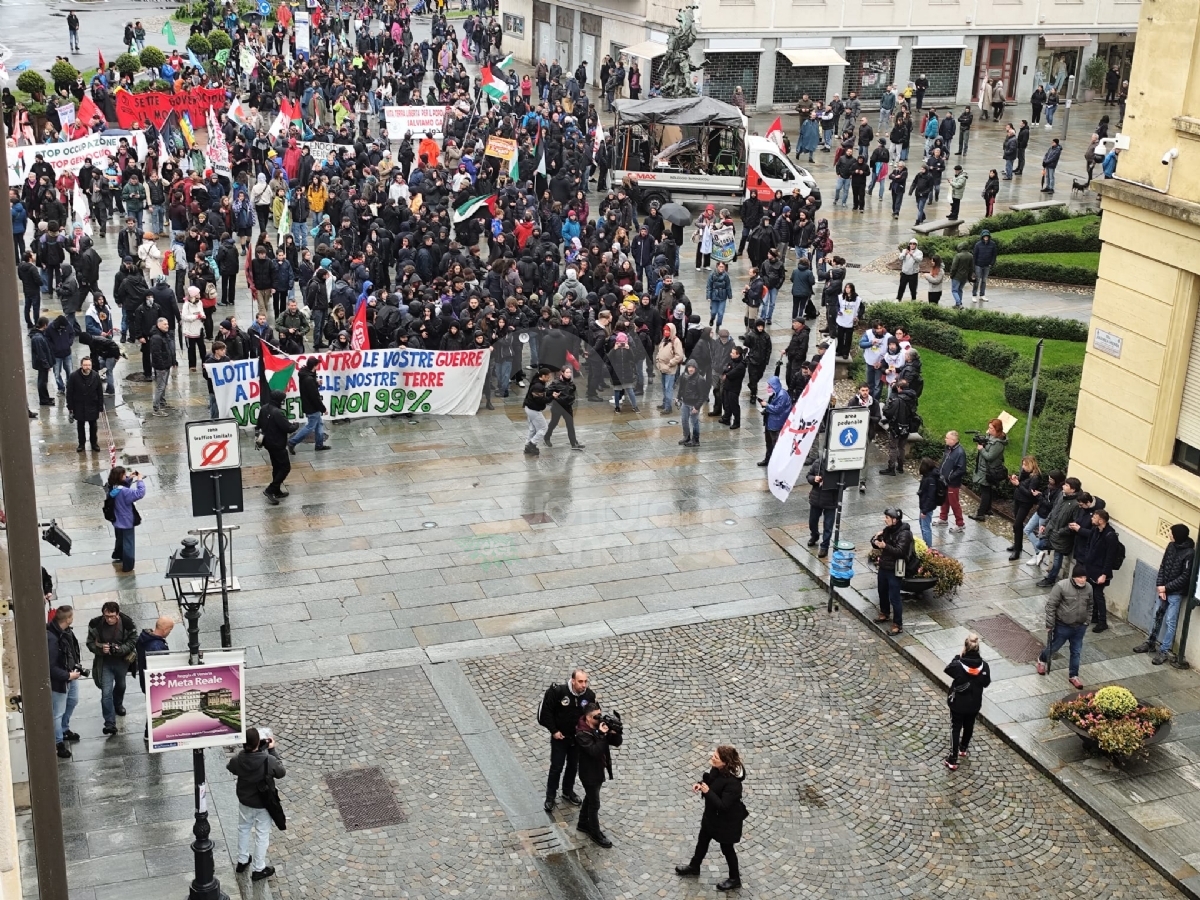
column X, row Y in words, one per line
column 846, row 790
column 455, row 840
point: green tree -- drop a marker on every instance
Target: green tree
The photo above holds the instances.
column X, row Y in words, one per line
column 199, row 45
column 219, row 40
column 127, row 64
column 152, row 58
column 63, row 72
column 32, row 83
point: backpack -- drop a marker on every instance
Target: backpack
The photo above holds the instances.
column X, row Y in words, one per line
column 110, row 508
column 942, row 489
column 1119, row 554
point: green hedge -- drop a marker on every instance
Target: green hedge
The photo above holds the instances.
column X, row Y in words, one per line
column 1026, row 269
column 992, row 357
column 892, row 313
column 940, row 337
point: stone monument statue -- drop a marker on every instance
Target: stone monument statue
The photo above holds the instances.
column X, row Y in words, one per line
column 677, row 64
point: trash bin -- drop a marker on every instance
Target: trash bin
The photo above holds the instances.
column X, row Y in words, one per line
column 841, row 565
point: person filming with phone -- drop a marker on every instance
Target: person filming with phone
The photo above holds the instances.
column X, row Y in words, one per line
column 257, row 767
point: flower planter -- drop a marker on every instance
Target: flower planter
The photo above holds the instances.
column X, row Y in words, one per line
column 1160, row 733
column 917, row 584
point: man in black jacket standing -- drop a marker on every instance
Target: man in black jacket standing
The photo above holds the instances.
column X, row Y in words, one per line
column 562, row 406
column 1174, row 575
column 63, row 648
column 312, row 405
column 559, row 713
column 822, row 503
column 85, row 400
column 274, row 426
column 1096, row 549
column 162, row 360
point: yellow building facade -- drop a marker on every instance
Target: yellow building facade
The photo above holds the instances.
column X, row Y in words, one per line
column 1137, row 434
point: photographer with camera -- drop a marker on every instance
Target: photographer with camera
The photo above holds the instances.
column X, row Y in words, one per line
column 989, row 465
column 559, row 713
column 594, row 735
column 65, row 672
column 257, row 766
column 112, row 637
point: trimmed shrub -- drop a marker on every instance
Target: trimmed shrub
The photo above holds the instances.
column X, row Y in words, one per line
column 142, row 87
column 219, row 40
column 63, row 72
column 992, row 357
column 127, row 64
column 939, row 337
column 1051, row 436
column 31, row 83
column 1004, row 221
column 1043, row 270
column 1007, row 323
column 199, row 45
column 152, row 58
column 162, row 86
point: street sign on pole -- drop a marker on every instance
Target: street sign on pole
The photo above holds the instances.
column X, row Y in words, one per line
column 213, row 445
column 847, row 438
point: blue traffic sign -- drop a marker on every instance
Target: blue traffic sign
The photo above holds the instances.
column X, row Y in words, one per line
column 264, row 8
column 848, row 437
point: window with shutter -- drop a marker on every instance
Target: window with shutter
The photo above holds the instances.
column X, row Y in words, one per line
column 1187, row 444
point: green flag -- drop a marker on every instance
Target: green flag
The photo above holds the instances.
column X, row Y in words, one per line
column 169, row 32
column 222, row 57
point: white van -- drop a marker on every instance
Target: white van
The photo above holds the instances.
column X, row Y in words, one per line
column 696, row 150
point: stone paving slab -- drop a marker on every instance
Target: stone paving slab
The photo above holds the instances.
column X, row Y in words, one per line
column 1148, row 803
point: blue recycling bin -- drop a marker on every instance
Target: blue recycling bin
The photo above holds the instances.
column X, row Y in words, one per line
column 841, row 565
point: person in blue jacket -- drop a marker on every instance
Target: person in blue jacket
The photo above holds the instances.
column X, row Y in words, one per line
column 124, row 490
column 775, row 409
column 20, row 220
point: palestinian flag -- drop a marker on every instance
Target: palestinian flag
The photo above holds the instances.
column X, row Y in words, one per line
column 276, row 371
column 539, row 154
column 506, row 62
column 294, row 111
column 494, row 83
column 473, row 206
column 514, row 167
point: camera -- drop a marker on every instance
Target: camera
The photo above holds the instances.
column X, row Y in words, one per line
column 1171, row 154
column 83, row 673
column 613, row 721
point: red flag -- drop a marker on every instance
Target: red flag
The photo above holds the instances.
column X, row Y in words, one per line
column 283, row 15
column 316, row 17
column 101, row 55
column 87, row 109
column 775, row 132
column 359, row 339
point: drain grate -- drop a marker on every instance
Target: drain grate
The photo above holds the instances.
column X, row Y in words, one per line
column 1010, row 639
column 140, row 460
column 543, row 841
column 364, row 798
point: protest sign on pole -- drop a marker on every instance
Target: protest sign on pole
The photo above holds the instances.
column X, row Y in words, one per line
column 360, row 383
column 501, row 148
column 66, row 114
column 416, row 120
column 724, row 245
column 800, row 431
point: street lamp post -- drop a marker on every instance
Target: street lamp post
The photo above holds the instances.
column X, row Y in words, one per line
column 183, row 566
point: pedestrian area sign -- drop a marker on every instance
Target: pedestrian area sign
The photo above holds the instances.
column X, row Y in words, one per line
column 213, row 445
column 847, row 439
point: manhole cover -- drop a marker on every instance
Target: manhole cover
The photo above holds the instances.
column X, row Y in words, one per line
column 1010, row 639
column 538, row 518
column 364, row 798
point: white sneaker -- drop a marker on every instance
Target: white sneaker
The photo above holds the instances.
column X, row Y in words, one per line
column 939, row 523
column 957, row 529
column 982, row 299
column 1035, row 560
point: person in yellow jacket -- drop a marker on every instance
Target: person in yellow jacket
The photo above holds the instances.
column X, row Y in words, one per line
column 318, row 196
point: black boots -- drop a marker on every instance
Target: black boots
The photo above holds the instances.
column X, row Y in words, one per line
column 890, row 470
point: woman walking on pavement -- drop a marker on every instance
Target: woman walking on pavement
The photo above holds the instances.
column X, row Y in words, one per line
column 724, row 812
column 969, row 675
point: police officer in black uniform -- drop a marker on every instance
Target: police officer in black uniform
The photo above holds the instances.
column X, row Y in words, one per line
column 559, row 714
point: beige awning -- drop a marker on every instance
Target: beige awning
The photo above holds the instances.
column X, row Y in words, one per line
column 645, row 50
column 815, row 57
column 1066, row 40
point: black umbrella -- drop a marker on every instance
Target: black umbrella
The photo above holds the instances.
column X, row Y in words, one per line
column 675, row 213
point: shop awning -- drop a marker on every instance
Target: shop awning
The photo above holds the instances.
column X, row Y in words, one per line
column 1066, row 40
column 645, row 50
column 815, row 57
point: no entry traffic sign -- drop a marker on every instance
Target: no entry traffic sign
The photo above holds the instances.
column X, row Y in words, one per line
column 213, row 445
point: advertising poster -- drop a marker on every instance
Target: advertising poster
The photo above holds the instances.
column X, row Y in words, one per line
column 358, row 383
column 190, row 707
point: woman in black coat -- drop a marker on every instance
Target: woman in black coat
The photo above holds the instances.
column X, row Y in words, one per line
column 970, row 675
column 724, row 812
column 1027, row 491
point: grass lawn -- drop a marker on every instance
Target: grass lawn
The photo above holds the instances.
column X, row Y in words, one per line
column 960, row 398
column 1070, row 226
column 1089, row 261
column 1054, row 353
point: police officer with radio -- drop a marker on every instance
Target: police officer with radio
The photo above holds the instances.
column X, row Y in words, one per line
column 561, row 709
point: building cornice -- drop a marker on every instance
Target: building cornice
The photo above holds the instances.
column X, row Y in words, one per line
column 1150, row 200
